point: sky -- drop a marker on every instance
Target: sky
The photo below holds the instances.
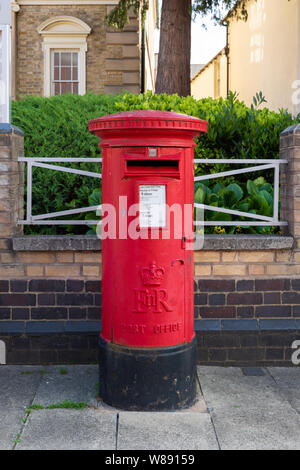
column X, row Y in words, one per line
column 206, row 43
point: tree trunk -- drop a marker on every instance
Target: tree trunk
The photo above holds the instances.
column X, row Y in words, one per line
column 173, row 71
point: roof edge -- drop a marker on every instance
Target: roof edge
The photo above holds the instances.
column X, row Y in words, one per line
column 208, row 63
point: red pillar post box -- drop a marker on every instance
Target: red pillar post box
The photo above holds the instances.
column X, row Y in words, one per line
column 147, row 356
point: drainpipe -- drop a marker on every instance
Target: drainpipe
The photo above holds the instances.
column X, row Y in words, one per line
column 143, row 57
column 15, row 8
column 227, row 56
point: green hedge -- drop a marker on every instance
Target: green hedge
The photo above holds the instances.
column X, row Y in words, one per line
column 57, row 127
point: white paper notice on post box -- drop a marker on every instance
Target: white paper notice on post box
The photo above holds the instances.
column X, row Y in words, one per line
column 152, row 199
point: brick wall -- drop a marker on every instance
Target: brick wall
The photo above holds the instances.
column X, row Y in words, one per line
column 237, row 322
column 87, row 264
column 247, row 298
column 112, row 58
column 54, row 264
column 265, row 347
column 252, row 263
column 240, row 264
column 247, row 289
column 45, row 300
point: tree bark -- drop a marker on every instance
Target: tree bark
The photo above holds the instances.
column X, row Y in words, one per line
column 173, row 70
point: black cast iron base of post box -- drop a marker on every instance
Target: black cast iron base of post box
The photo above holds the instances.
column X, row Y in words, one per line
column 144, row 379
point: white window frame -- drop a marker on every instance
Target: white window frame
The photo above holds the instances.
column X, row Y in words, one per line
column 64, row 33
column 52, row 69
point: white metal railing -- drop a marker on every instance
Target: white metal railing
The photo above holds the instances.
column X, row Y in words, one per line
column 47, row 219
column 259, row 166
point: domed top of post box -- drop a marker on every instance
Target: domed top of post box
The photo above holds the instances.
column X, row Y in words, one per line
column 146, row 126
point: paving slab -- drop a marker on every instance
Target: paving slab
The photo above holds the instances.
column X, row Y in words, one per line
column 67, row 382
column 165, row 430
column 248, row 412
column 239, row 409
column 288, row 381
column 61, row 429
column 18, row 385
column 229, row 387
column 11, row 424
column 262, row 430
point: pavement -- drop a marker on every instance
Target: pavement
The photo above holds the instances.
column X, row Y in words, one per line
column 56, row 408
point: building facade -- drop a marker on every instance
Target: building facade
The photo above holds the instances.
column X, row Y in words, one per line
column 262, row 54
column 211, row 79
column 61, row 46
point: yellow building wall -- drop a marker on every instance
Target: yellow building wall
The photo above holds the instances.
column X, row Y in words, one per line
column 205, row 84
column 264, row 53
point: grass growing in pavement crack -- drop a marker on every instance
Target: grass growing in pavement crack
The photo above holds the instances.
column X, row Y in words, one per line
column 35, row 407
column 17, row 440
column 67, row 404
column 30, row 372
column 63, row 371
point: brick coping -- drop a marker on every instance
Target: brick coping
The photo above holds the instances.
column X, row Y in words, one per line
column 6, row 128
column 211, row 243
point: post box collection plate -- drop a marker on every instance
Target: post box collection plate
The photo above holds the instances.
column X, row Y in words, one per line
column 152, row 206
column 147, row 346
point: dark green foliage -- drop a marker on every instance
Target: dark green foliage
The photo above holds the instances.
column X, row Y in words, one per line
column 118, row 17
column 255, row 197
column 58, row 127
column 235, row 131
column 95, row 199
